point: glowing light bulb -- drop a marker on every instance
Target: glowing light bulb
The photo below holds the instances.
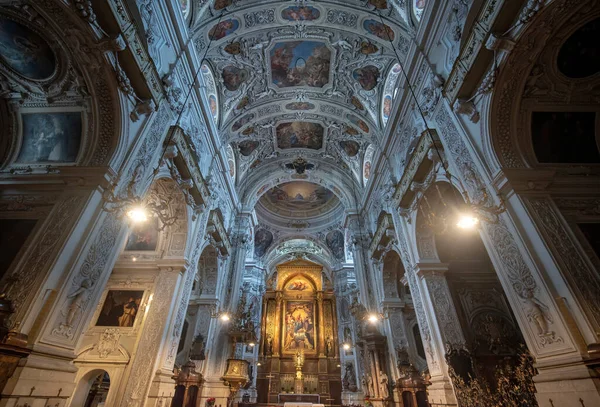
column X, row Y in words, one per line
column 467, row 222
column 137, row 215
column 373, row 318
column 346, row 346
column 251, row 344
column 258, row 364
column 225, row 317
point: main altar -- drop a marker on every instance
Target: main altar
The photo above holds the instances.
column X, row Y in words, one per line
column 299, row 352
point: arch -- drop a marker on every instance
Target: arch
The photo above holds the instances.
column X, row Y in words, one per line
column 529, row 78
column 86, row 130
column 84, row 386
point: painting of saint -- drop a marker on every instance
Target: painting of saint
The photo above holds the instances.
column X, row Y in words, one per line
column 367, row 170
column 300, row 331
column 24, row 51
column 185, row 6
column 242, row 122
column 144, row 236
column 358, row 122
column 300, row 106
column 221, row 4
column 223, row 29
column 300, row 135
column 357, row 103
column 300, row 63
column 50, row 137
column 120, row 308
column 377, row 29
column 247, row 147
column 387, row 106
column 233, row 77
column 350, row 147
column 300, row 13
column 262, row 240
column 367, row 77
column 212, row 102
column 335, row 242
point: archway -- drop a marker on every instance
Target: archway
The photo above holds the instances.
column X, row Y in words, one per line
column 477, row 328
column 92, row 389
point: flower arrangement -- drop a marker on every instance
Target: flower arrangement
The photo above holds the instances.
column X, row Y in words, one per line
column 368, row 402
column 210, row 402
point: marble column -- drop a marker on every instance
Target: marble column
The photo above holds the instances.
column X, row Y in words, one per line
column 443, row 329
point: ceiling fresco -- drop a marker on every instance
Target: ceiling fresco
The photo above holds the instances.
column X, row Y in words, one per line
column 299, row 135
column 300, row 63
column 299, row 199
column 303, row 80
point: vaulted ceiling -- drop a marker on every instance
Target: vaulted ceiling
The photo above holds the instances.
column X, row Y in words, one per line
column 297, row 90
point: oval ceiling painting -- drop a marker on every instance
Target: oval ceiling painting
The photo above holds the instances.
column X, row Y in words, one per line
column 24, row 51
column 377, row 29
column 300, row 13
column 247, row 147
column 300, row 63
column 242, row 122
column 233, row 77
column 223, row 29
column 419, row 7
column 367, row 77
column 231, row 161
column 350, row 147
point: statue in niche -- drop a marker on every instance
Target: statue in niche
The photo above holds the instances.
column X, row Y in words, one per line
column 365, row 385
column 329, row 346
column 536, row 312
column 384, row 390
column 197, row 349
column 79, row 298
column 349, row 380
column 269, row 344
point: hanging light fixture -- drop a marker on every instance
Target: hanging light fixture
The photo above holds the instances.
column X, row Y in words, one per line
column 138, row 209
column 469, row 214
